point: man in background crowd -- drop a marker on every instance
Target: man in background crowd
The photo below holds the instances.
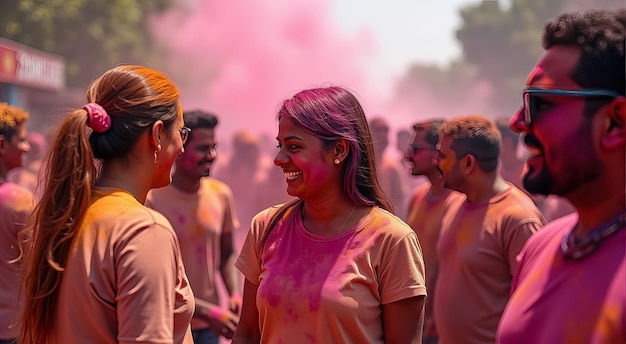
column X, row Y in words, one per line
column 430, row 204
column 477, row 248
column 202, row 212
column 16, row 204
column 389, row 170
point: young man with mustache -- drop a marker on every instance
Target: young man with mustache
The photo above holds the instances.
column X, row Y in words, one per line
column 202, row 212
column 477, row 247
column 431, row 203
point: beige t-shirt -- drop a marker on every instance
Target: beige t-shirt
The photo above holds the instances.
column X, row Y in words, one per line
column 477, row 253
column 314, row 289
column 16, row 204
column 426, row 217
column 124, row 281
column 199, row 219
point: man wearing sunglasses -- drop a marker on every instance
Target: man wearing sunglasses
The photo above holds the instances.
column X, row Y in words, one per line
column 430, row 203
column 571, row 281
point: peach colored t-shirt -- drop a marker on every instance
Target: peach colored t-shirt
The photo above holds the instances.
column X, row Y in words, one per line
column 477, row 252
column 426, row 216
column 199, row 219
column 124, row 281
column 16, row 205
column 314, row 289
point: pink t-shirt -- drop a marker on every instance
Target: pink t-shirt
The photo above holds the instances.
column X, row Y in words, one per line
column 477, row 259
column 16, row 205
column 199, row 219
column 124, row 281
column 314, row 289
column 556, row 300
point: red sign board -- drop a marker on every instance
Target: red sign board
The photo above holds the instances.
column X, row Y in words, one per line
column 23, row 65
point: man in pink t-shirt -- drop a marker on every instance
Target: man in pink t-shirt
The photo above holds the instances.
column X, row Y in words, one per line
column 478, row 245
column 15, row 206
column 571, row 283
column 202, row 212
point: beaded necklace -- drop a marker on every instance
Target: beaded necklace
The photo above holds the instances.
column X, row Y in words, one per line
column 573, row 249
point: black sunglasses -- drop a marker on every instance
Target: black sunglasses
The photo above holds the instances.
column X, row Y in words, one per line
column 531, row 94
column 415, row 148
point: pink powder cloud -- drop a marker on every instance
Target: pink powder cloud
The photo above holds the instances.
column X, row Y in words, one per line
column 242, row 58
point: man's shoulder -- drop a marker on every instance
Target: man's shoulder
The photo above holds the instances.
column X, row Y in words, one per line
column 165, row 193
column 518, row 202
column 213, row 182
column 556, row 228
column 561, row 225
column 15, row 196
column 519, row 194
column 216, row 186
column 206, row 184
column 15, row 190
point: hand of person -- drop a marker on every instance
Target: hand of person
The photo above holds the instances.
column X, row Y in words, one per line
column 223, row 322
column 234, row 304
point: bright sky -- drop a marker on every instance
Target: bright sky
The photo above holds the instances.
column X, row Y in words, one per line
column 406, row 30
column 251, row 50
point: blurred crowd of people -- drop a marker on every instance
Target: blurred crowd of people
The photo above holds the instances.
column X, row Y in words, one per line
column 125, row 226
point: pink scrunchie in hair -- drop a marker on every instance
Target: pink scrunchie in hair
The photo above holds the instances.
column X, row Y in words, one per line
column 99, row 120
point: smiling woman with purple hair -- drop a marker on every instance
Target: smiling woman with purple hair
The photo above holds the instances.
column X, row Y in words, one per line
column 334, row 265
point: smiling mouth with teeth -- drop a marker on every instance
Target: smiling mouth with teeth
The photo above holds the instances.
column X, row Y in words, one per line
column 292, row 175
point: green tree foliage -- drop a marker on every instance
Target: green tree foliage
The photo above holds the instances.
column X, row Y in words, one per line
column 501, row 44
column 445, row 83
column 504, row 44
column 93, row 35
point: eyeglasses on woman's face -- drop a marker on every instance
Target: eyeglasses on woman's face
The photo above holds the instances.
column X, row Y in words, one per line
column 184, row 133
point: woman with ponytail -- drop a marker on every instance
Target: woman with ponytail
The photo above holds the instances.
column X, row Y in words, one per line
column 102, row 267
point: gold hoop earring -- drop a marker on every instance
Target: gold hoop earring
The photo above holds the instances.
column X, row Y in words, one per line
column 156, row 152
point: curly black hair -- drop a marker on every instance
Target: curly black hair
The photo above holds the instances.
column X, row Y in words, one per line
column 600, row 35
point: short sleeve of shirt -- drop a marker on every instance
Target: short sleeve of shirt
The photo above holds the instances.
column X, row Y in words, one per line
column 249, row 260
column 516, row 239
column 402, row 271
column 146, row 270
